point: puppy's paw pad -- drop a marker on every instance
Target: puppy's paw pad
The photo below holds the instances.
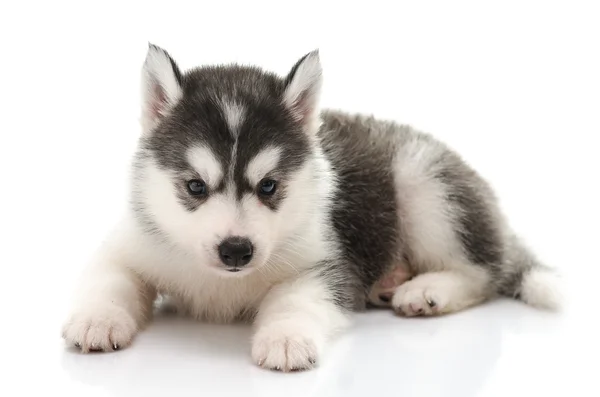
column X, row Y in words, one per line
column 274, row 348
column 105, row 328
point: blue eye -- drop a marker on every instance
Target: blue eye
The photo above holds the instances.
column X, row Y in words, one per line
column 197, row 187
column 267, row 187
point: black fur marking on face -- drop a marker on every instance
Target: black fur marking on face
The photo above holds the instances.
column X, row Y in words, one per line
column 191, row 202
column 273, row 202
column 269, row 126
column 198, row 119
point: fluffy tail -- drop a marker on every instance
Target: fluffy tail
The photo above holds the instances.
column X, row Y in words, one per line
column 523, row 277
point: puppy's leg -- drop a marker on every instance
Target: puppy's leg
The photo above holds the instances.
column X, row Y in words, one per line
column 441, row 292
column 294, row 322
column 112, row 304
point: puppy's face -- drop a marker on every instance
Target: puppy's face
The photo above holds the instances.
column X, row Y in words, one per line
column 224, row 166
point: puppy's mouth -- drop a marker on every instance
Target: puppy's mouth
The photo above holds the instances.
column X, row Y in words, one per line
column 236, row 271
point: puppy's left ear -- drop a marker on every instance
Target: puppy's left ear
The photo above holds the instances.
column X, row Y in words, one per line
column 161, row 86
column 303, row 89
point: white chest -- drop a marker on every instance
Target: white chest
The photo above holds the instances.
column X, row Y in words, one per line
column 205, row 294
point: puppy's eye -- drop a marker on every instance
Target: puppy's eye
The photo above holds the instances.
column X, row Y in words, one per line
column 197, row 187
column 267, row 187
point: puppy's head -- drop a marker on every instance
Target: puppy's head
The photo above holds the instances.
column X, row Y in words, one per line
column 224, row 167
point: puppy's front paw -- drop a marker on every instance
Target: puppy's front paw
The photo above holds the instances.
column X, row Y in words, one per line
column 100, row 328
column 284, row 347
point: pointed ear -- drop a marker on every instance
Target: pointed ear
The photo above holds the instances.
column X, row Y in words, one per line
column 303, row 88
column 161, row 86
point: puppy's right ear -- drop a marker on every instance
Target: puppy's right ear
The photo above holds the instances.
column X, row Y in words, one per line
column 161, row 86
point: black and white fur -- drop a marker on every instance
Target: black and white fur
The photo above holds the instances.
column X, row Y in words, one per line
column 355, row 198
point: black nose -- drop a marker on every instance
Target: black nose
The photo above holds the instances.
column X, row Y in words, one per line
column 236, row 251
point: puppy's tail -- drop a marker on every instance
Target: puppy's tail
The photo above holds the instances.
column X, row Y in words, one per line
column 525, row 278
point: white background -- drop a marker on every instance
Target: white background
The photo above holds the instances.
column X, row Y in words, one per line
column 513, row 86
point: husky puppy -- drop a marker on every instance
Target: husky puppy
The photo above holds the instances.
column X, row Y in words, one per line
column 249, row 202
